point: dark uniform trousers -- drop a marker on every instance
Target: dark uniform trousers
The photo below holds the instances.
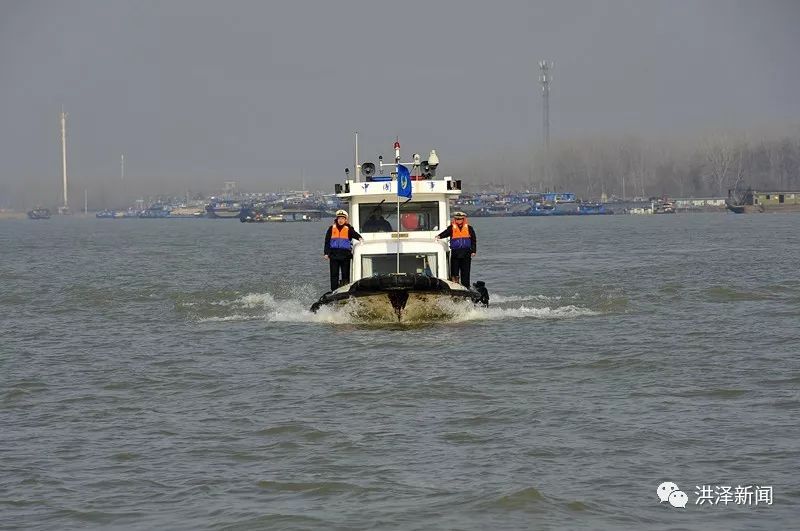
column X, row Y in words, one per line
column 337, row 265
column 460, row 264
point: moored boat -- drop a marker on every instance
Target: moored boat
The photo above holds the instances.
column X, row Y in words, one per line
column 579, row 208
column 738, row 208
column 750, row 201
column 662, row 205
column 400, row 271
column 224, row 209
column 156, row 210
column 39, row 213
column 592, row 209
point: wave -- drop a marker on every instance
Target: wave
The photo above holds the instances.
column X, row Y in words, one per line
column 458, row 311
column 729, row 294
column 315, row 487
column 266, row 307
column 502, row 299
column 526, row 498
column 261, row 307
column 558, row 312
column 227, row 318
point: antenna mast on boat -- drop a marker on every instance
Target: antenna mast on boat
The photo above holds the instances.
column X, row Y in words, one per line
column 357, row 166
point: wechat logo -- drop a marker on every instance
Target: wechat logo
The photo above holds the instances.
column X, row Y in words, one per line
column 669, row 492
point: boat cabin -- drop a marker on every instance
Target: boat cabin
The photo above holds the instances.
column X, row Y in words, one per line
column 399, row 235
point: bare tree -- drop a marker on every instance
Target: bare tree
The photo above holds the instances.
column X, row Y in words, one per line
column 720, row 155
column 632, row 167
column 790, row 162
column 742, row 163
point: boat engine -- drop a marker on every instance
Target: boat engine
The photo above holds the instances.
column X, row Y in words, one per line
column 480, row 287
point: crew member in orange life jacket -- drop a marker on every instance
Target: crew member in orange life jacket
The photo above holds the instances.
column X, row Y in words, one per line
column 463, row 246
column 339, row 249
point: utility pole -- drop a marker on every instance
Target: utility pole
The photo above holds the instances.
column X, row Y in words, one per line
column 64, row 209
column 544, row 79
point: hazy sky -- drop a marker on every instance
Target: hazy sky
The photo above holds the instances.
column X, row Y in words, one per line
column 196, row 92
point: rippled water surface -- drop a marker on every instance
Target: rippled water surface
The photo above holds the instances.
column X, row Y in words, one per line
column 166, row 374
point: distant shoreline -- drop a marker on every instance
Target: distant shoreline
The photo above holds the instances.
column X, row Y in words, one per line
column 5, row 214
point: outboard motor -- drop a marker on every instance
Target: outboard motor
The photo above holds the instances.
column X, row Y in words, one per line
column 480, row 287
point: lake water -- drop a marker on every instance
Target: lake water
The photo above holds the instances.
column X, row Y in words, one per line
column 166, row 374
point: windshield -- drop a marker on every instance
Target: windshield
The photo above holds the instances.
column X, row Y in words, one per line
column 377, row 264
column 382, row 217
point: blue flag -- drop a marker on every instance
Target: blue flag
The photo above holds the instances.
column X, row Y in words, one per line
column 403, row 181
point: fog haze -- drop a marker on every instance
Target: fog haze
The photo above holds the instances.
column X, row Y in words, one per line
column 269, row 93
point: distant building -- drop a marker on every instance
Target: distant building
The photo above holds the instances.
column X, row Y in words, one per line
column 558, row 197
column 700, row 203
column 776, row 199
column 751, row 200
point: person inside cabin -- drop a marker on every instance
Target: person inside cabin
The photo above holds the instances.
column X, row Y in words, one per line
column 384, row 225
column 463, row 246
column 371, row 225
column 339, row 249
column 377, row 223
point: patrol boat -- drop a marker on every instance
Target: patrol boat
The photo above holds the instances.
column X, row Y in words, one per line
column 400, row 272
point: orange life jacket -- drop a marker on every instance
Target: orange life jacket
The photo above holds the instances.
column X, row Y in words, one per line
column 340, row 237
column 459, row 237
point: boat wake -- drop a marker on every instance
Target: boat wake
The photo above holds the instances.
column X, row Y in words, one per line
column 232, row 307
column 501, row 299
column 524, row 312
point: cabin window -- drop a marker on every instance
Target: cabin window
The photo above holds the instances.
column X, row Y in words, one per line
column 780, row 198
column 767, row 198
column 410, row 263
column 382, row 217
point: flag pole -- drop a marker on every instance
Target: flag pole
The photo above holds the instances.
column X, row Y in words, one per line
column 407, row 183
column 397, row 169
column 398, row 234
